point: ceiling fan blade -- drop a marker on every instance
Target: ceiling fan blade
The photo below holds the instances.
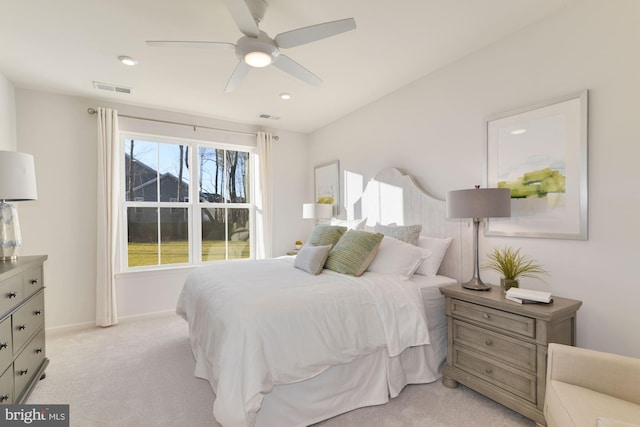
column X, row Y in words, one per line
column 290, row 66
column 190, row 44
column 313, row 33
column 243, row 17
column 239, row 73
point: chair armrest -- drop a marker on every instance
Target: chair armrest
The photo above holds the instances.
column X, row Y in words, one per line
column 611, row 374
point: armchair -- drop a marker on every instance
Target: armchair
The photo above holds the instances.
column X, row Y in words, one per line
column 589, row 388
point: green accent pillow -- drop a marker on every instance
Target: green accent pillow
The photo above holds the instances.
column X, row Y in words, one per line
column 354, row 252
column 324, row 235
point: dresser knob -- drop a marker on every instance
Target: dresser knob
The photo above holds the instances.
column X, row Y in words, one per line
column 12, row 295
column 23, row 371
column 34, row 281
column 38, row 350
column 3, row 398
column 22, row 327
column 37, row 313
column 4, row 345
column 485, row 315
column 488, row 342
column 488, row 370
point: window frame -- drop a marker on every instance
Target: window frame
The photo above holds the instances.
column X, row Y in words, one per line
column 193, row 209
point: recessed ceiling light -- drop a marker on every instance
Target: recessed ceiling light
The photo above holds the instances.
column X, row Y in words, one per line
column 127, row 60
column 285, row 95
column 518, row 131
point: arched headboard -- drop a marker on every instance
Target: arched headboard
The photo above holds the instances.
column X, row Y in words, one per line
column 394, row 197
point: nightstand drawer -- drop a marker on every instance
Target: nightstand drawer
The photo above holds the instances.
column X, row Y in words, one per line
column 6, row 347
column 520, row 325
column 27, row 320
column 513, row 380
column 6, row 387
column 517, row 353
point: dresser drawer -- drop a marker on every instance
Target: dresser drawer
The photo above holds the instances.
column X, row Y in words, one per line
column 28, row 362
column 517, row 353
column 510, row 322
column 27, row 320
column 32, row 281
column 6, row 386
column 10, row 293
column 513, row 380
column 6, row 347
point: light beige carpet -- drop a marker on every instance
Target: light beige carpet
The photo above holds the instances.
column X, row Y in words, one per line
column 140, row 373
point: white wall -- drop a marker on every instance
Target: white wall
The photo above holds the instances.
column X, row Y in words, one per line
column 434, row 130
column 60, row 134
column 7, row 115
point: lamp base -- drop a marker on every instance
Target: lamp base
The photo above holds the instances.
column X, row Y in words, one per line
column 476, row 284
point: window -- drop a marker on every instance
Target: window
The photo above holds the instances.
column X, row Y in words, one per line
column 163, row 227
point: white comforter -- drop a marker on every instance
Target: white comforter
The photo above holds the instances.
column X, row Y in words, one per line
column 257, row 324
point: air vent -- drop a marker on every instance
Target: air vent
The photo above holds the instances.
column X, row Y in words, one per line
column 268, row 117
column 112, row 88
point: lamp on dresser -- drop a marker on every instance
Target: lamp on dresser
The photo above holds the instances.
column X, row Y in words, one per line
column 317, row 211
column 478, row 203
column 17, row 183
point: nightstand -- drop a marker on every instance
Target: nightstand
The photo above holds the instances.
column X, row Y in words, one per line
column 499, row 348
column 293, row 252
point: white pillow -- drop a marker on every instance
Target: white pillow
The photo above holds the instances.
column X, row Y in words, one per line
column 312, row 258
column 397, row 257
column 406, row 233
column 438, row 247
column 351, row 224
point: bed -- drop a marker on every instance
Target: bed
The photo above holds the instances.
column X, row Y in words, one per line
column 283, row 347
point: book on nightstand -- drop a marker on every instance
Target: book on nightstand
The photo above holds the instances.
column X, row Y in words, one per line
column 528, row 296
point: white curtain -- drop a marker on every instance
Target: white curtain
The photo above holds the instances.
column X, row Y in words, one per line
column 108, row 205
column 263, row 197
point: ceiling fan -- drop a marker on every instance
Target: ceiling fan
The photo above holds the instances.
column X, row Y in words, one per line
column 256, row 49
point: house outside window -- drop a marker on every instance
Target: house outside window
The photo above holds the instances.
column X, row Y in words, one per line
column 162, row 226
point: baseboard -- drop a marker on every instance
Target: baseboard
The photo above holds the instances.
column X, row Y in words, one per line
column 76, row 327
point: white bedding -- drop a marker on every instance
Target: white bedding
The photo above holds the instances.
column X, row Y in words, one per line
column 260, row 324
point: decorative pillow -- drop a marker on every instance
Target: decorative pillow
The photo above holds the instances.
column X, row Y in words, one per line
column 406, row 233
column 312, row 258
column 324, row 235
column 351, row 224
column 354, row 252
column 397, row 257
column 438, row 247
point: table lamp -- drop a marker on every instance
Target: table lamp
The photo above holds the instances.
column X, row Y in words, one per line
column 317, row 211
column 478, row 203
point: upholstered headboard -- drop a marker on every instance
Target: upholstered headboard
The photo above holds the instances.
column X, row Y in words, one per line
column 394, row 197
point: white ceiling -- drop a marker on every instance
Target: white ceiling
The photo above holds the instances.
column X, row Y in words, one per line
column 64, row 45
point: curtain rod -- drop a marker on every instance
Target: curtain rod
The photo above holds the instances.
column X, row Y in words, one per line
column 92, row 110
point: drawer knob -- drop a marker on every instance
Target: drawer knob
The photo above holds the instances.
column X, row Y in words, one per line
column 12, row 295
column 3, row 398
column 22, row 327
column 488, row 342
column 4, row 345
column 38, row 350
column 34, row 281
column 488, row 370
column 23, row 371
column 37, row 313
column 486, row 315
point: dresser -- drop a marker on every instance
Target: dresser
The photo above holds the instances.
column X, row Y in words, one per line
column 499, row 348
column 22, row 339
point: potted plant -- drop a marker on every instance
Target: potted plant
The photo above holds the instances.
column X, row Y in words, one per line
column 512, row 264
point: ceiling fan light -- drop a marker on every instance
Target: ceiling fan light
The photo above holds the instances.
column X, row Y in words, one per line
column 257, row 59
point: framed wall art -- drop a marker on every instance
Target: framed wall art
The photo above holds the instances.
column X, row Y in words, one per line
column 540, row 153
column 327, row 185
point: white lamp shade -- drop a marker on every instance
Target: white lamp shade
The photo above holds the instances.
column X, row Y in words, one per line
column 17, row 177
column 479, row 203
column 316, row 210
